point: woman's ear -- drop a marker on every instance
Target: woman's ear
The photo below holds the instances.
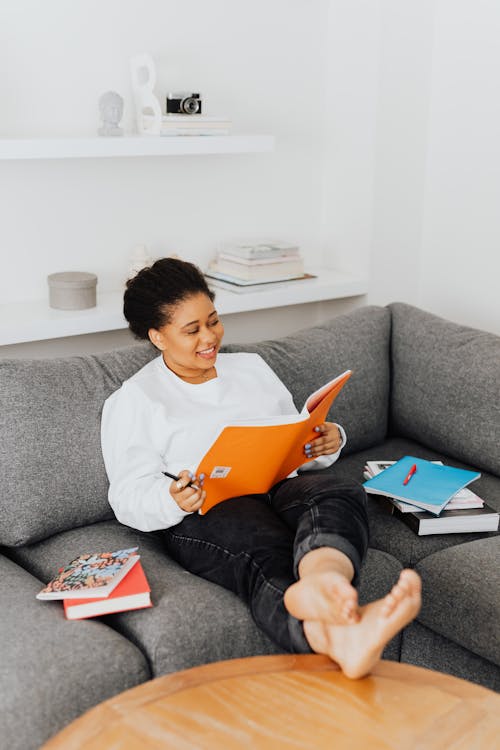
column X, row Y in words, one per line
column 156, row 338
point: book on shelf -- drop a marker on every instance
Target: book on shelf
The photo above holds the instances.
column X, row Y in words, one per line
column 231, row 284
column 463, row 499
column 265, row 271
column 259, row 251
column 236, row 465
column 257, row 262
column 133, row 592
column 430, row 487
column 457, row 521
column 90, row 575
column 191, row 125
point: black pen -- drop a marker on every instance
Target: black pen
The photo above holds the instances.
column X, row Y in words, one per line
column 178, row 479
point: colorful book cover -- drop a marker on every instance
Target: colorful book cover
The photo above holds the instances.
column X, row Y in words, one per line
column 133, row 592
column 90, row 575
column 430, row 487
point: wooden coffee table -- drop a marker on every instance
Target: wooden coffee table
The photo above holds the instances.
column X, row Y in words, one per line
column 275, row 702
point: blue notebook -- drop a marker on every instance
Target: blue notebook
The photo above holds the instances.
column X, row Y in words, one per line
column 430, row 487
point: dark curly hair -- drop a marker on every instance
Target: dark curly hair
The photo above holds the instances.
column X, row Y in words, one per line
column 151, row 295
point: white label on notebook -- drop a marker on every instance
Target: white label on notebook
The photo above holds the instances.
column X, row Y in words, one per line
column 220, row 472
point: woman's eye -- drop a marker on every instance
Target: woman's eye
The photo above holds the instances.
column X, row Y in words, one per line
column 215, row 322
column 191, row 333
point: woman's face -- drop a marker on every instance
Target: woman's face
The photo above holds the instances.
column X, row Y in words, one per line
column 192, row 339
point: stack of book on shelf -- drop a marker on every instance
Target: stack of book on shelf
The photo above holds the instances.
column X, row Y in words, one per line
column 190, row 125
column 256, row 266
column 100, row 584
column 434, row 499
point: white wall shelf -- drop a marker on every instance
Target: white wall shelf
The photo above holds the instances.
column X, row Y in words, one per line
column 35, row 321
column 133, row 145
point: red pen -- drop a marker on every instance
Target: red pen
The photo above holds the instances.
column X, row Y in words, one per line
column 410, row 473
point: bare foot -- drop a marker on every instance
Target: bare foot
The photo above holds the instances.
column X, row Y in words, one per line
column 325, row 595
column 358, row 647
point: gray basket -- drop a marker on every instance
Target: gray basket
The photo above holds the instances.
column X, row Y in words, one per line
column 72, row 290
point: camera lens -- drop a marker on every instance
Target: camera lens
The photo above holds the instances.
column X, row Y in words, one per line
column 190, row 106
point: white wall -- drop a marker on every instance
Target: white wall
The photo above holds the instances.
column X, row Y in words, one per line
column 460, row 257
column 405, row 71
column 260, row 63
column 386, row 115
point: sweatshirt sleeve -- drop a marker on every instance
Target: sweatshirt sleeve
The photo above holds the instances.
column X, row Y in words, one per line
column 138, row 491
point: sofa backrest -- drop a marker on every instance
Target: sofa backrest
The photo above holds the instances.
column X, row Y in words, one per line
column 446, row 386
column 51, row 468
column 358, row 341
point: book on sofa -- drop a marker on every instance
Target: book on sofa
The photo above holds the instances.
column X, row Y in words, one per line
column 230, row 463
column 90, row 575
column 459, row 521
column 426, row 485
column 466, row 512
column 132, row 592
column 461, row 500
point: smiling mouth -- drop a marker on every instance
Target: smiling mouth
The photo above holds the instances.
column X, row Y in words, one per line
column 208, row 352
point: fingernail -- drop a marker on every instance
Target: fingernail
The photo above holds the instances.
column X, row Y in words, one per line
column 317, row 429
column 307, row 445
column 202, row 476
column 191, row 475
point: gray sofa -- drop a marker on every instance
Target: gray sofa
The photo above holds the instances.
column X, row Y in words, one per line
column 421, row 385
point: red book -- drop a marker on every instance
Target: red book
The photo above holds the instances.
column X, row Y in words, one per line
column 132, row 592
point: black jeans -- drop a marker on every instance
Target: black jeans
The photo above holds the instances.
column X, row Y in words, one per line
column 252, row 545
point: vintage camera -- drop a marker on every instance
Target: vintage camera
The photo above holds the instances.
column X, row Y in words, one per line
column 183, row 103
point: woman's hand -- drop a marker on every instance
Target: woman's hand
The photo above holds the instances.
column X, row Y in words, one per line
column 330, row 441
column 188, row 498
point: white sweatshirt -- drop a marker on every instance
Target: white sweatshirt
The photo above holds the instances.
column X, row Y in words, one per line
column 157, row 422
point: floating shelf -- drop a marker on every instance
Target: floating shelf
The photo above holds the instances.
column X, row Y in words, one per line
column 133, row 145
column 36, row 321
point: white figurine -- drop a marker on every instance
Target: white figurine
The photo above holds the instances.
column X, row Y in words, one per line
column 147, row 107
column 111, row 111
column 139, row 259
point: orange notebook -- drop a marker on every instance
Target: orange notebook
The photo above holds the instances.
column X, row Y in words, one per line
column 132, row 592
column 249, row 458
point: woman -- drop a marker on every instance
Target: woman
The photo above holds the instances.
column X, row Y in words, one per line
column 294, row 554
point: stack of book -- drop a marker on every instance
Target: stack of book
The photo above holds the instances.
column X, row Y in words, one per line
column 191, row 125
column 100, row 584
column 256, row 266
column 462, row 512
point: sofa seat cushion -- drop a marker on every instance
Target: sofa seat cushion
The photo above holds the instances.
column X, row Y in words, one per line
column 53, row 475
column 446, row 386
column 45, row 659
column 192, row 621
column 387, row 532
column 425, row 648
column 461, row 599
column 358, row 341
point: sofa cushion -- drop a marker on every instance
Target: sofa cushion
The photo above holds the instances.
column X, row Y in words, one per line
column 446, row 386
column 45, row 659
column 53, row 475
column 461, row 595
column 358, row 341
column 192, row 621
column 425, row 648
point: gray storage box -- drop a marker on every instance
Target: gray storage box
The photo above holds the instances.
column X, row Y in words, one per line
column 72, row 290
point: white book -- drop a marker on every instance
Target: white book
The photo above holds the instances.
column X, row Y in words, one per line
column 260, row 250
column 260, row 272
